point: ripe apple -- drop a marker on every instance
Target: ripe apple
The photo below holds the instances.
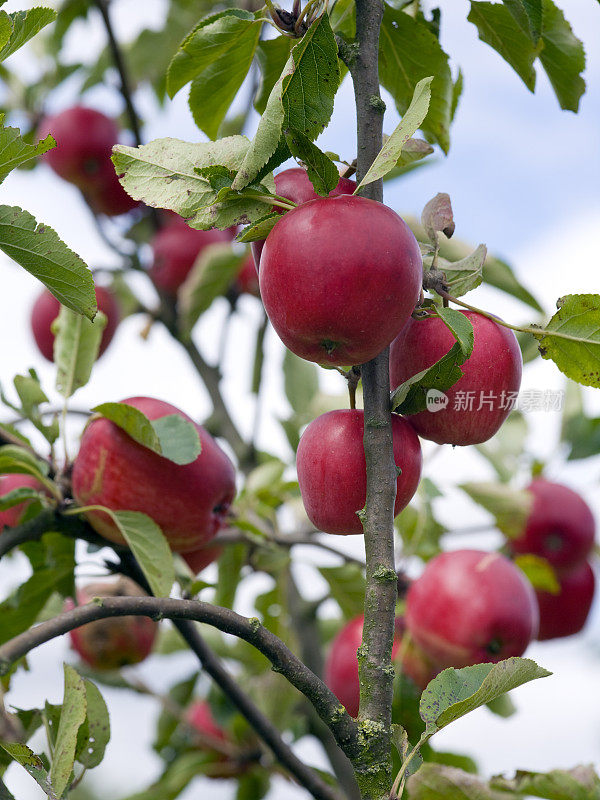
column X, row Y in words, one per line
column 560, row 526
column 8, row 483
column 332, row 471
column 339, row 277
column 113, row 642
column 294, row 184
column 470, row 607
column 341, row 666
column 46, row 309
column 200, row 718
column 565, row 613
column 247, row 279
column 176, row 247
column 491, row 377
column 107, row 196
column 189, row 502
column 84, row 140
column 201, row 558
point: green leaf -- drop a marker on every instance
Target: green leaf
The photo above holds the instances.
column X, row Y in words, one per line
column 15, row 459
column 409, row 52
column 347, row 587
column 32, row 395
column 172, row 437
column 14, row 150
column 5, row 28
column 322, row 172
column 389, row 155
column 72, row 716
column 529, row 15
column 301, row 381
column 18, row 496
column 579, row 783
column 216, row 57
column 180, row 696
column 166, row 173
column 410, row 397
column 272, row 56
column 563, row 57
column 94, row 733
column 441, row 782
column 302, row 99
column 149, row 546
column 230, row 566
column 25, row 25
column 578, row 356
column 502, row 706
column 259, row 230
column 510, row 507
column 211, row 276
column 461, row 276
column 76, row 346
column 456, row 692
column 33, row 765
column 39, row 250
column 539, row 572
column 498, row 28
column 580, row 432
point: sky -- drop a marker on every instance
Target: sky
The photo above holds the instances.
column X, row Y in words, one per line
column 523, row 177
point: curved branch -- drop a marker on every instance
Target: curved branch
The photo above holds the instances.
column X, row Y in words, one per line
column 49, row 519
column 251, row 630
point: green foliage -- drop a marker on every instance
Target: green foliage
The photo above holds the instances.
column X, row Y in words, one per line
column 272, row 56
column 32, row 763
column 24, row 25
column 171, row 437
column 461, row 276
column 14, row 151
column 72, row 716
column 539, row 572
column 410, row 397
column 347, row 587
column 577, row 353
column 211, row 276
column 418, row 526
column 39, row 250
column 76, row 346
column 15, row 459
column 32, row 396
column 322, row 172
column 510, row 507
column 579, row 431
column 408, row 53
column 580, row 783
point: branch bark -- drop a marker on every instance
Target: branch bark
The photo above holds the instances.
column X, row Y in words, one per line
column 376, row 673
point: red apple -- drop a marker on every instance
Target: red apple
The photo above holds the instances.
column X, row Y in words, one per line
column 46, row 309
column 339, row 277
column 565, row 613
column 470, row 607
column 8, row 483
column 480, row 401
column 294, row 184
column 84, row 140
column 107, row 196
column 113, row 642
column 332, row 470
column 176, row 247
column 341, row 666
column 189, row 502
column 560, row 526
column 200, row 717
column 201, row 558
column 247, row 279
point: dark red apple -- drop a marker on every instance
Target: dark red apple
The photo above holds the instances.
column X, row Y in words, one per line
column 341, row 666
column 8, row 483
column 201, row 558
column 46, row 309
column 200, row 718
column 294, row 184
column 560, row 526
column 84, row 140
column 332, row 470
column 107, row 196
column 176, row 247
column 113, row 642
column 481, row 400
column 189, row 502
column 339, row 277
column 565, row 613
column 470, row 607
column 247, row 279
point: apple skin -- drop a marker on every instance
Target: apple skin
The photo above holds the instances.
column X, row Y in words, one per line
column 176, row 247
column 84, row 140
column 339, row 277
column 495, row 366
column 341, row 665
column 46, row 309
column 199, row 559
column 189, row 502
column 471, row 607
column 560, row 526
column 107, row 196
column 200, row 717
column 332, row 470
column 114, row 642
column 566, row 613
column 247, row 279
column 294, row 184
column 8, row 483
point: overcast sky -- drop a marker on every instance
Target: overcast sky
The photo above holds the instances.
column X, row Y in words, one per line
column 524, row 178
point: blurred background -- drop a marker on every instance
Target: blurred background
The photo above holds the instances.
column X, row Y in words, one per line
column 524, row 179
